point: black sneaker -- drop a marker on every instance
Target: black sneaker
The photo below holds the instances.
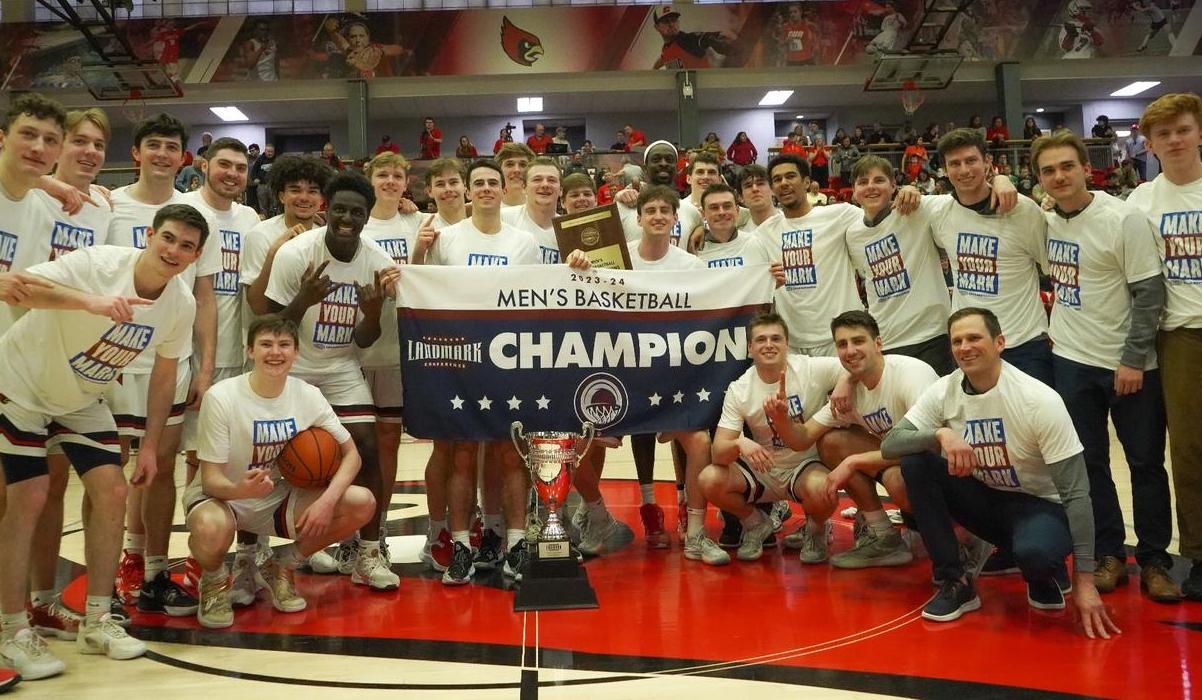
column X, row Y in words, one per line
column 1191, row 587
column 491, row 552
column 117, row 610
column 515, row 561
column 1045, row 595
column 166, row 597
column 1000, row 563
column 732, row 531
column 953, row 600
column 461, row 569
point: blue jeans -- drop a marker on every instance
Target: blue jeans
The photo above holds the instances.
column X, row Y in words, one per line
column 1139, row 421
column 1034, row 529
column 1033, row 357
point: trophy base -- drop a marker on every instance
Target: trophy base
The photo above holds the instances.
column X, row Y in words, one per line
column 554, row 584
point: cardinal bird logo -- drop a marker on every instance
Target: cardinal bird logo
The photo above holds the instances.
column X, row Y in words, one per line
column 520, row 46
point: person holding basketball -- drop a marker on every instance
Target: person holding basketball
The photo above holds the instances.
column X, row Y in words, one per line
column 245, row 422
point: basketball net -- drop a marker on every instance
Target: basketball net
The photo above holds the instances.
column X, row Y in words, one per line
column 134, row 107
column 911, row 97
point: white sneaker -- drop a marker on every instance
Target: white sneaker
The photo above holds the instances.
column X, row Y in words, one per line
column 752, row 546
column 322, row 562
column 109, row 638
column 29, row 655
column 594, row 535
column 345, row 556
column 244, row 587
column 263, row 551
column 215, row 611
column 280, row 584
column 703, row 548
column 370, row 570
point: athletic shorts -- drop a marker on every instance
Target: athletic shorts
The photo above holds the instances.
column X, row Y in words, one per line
column 274, row 514
column 192, row 418
column 347, row 393
column 87, row 436
column 385, row 386
column 128, row 398
column 774, row 485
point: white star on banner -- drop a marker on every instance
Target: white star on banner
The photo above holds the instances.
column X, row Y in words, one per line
column 457, row 403
column 514, row 403
column 655, row 399
column 678, row 397
column 703, row 395
column 543, row 402
column 485, row 403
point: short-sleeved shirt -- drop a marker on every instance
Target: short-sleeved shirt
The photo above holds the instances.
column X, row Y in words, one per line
column 1016, row 428
column 1176, row 215
column 745, row 249
column 676, row 259
column 255, row 246
column 327, row 330
column 548, row 245
column 87, row 227
column 1092, row 257
column 903, row 380
column 808, row 381
column 464, row 244
column 688, row 218
column 57, row 362
column 397, row 236
column 23, row 241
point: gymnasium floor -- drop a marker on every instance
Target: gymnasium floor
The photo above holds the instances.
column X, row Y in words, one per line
column 666, row 628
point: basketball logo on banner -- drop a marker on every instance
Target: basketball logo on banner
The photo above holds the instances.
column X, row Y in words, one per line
column 519, row 45
column 601, row 399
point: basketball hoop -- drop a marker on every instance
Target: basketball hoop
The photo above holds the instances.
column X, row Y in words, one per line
column 911, row 97
column 134, row 107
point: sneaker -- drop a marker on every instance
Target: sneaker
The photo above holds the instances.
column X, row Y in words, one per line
column 780, row 514
column 29, row 655
column 1110, row 574
column 752, row 547
column 875, row 550
column 244, row 586
column 438, row 554
column 859, row 526
column 117, row 610
column 263, row 551
column 385, row 553
column 475, row 535
column 516, row 560
column 191, row 578
column 953, row 600
column 215, row 611
column 895, row 516
column 166, row 597
column 280, row 584
column 813, row 548
column 461, row 568
column 1158, row 586
column 370, row 570
column 54, row 620
column 1191, row 587
column 579, row 519
column 8, row 679
column 1000, row 563
column 653, row 525
column 129, row 576
column 108, row 638
column 346, row 554
column 1063, row 581
column 596, row 534
column 491, row 553
column 322, row 562
column 1045, row 595
column 702, row 548
column 975, row 555
column 797, row 538
column 732, row 531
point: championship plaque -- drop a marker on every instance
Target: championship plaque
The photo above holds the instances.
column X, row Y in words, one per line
column 598, row 232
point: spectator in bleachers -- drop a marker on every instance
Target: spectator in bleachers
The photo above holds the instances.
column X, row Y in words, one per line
column 924, row 182
column 561, row 138
column 857, row 137
column 1135, row 149
column 793, row 144
column 465, row 149
column 620, row 144
column 845, row 156
column 712, row 145
column 506, row 136
column 742, row 152
column 820, row 158
column 817, row 198
column 1031, row 130
column 539, row 140
column 1129, row 179
column 879, row 135
column 975, row 123
column 997, row 134
column 915, row 148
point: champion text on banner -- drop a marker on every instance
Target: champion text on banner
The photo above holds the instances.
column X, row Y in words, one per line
column 630, row 351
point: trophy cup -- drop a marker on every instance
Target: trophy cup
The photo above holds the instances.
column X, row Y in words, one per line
column 554, row 579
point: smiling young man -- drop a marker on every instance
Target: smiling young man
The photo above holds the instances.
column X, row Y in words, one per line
column 94, row 311
column 331, row 282
column 513, row 158
column 756, row 190
column 542, row 186
column 659, row 168
column 1173, row 203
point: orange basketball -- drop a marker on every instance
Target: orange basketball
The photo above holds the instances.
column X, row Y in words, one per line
column 310, row 459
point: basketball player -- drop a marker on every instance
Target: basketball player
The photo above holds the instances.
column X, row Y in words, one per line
column 542, row 200
column 245, row 422
column 95, row 310
column 331, row 282
column 1173, row 127
column 756, row 191
column 1013, row 475
column 513, row 159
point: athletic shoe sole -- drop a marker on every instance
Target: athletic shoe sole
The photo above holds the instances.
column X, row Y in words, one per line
column 970, row 606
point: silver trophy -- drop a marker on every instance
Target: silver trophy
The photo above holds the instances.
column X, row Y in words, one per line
column 551, row 458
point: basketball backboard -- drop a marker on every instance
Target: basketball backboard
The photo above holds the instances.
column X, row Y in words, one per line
column 926, row 71
column 129, row 81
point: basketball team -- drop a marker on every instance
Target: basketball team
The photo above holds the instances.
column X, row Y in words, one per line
column 142, row 323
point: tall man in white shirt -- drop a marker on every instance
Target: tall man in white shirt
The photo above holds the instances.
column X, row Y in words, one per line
column 513, row 158
column 1173, row 203
column 755, row 187
column 542, row 200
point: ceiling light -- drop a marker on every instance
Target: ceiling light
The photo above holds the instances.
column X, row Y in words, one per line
column 1039, row 110
column 530, row 104
column 1122, row 133
column 229, row 114
column 1135, row 88
column 775, row 97
column 801, row 116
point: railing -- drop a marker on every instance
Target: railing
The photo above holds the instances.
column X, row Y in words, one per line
column 1100, row 151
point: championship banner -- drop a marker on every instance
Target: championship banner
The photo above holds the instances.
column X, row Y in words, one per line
column 630, row 351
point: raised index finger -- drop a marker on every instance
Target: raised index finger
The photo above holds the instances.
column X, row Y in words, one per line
column 781, row 392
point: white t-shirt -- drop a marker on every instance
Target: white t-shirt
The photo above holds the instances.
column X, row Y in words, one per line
column 57, row 362
column 464, row 244
column 23, row 241
column 688, row 218
column 903, row 279
column 994, row 260
column 88, row 227
column 903, row 380
column 808, row 379
column 327, row 344
column 233, row 226
column 750, row 226
column 1016, row 428
column 745, row 249
column 676, row 259
column 1176, row 215
column 548, row 245
column 397, row 236
column 819, row 281
column 1092, row 257
column 255, row 246
column 243, row 430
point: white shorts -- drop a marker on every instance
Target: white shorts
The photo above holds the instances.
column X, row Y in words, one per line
column 774, row 485
column 187, row 442
column 128, row 397
column 347, row 393
column 274, row 514
column 385, row 386
column 88, row 436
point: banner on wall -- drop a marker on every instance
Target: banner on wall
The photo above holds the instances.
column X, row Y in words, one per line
column 630, row 351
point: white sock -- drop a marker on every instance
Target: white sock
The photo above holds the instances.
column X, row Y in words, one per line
column 696, row 522
column 436, row 526
column 154, row 565
column 218, row 575
column 96, row 607
column 463, row 537
column 365, row 545
column 647, row 491
column 878, row 522
column 135, row 542
column 11, row 623
column 492, row 521
column 514, row 536
column 39, row 598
